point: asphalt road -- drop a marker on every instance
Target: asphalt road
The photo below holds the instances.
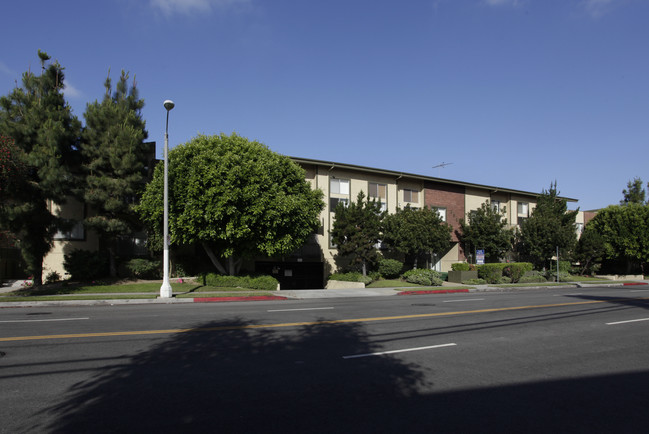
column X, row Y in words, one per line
column 530, row 361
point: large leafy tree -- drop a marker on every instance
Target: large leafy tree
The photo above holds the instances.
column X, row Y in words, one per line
column 416, row 232
column 634, row 193
column 486, row 228
column 45, row 132
column 235, row 197
column 115, row 162
column 357, row 230
column 551, row 225
column 625, row 230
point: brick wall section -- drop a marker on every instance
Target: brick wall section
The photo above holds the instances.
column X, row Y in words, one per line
column 447, row 196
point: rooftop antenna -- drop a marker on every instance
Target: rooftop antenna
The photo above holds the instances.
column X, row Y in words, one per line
column 442, row 165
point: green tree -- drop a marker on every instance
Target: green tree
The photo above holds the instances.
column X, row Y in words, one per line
column 416, row 232
column 625, row 230
column 551, row 225
column 37, row 117
column 590, row 250
column 357, row 230
column 235, row 197
column 486, row 228
column 11, row 167
column 635, row 193
column 115, row 163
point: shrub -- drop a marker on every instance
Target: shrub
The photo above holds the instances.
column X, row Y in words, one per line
column 516, row 270
column 374, row 275
column 352, row 276
column 422, row 276
column 265, row 283
column 461, row 266
column 143, row 268
column 390, row 268
column 52, row 277
column 564, row 267
column 85, row 265
column 563, row 276
column 533, row 277
column 491, row 272
column 474, row 281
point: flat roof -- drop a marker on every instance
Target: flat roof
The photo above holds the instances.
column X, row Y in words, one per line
column 398, row 174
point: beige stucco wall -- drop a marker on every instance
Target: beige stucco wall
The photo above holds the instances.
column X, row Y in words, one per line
column 53, row 261
column 474, row 198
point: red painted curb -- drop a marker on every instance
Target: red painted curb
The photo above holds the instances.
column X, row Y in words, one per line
column 433, row 291
column 251, row 298
column 635, row 283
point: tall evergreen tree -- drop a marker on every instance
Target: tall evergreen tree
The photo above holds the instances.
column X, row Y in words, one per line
column 486, row 228
column 115, row 159
column 357, row 230
column 45, row 132
column 635, row 193
column 551, row 225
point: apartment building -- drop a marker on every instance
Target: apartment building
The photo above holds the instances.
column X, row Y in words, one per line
column 340, row 182
column 454, row 200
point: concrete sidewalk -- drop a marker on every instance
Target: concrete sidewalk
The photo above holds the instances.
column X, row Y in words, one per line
column 300, row 294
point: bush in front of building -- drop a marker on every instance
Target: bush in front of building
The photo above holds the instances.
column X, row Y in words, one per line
column 390, row 268
column 462, row 266
column 533, row 277
column 422, row 276
column 491, row 273
column 142, row 268
column 264, row 283
column 352, row 276
column 85, row 265
column 516, row 270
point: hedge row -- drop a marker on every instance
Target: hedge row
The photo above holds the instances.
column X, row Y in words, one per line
column 266, row 283
column 494, row 273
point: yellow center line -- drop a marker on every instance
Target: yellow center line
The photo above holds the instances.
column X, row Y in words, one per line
column 306, row 323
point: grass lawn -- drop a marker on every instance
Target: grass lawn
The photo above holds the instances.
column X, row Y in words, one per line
column 137, row 290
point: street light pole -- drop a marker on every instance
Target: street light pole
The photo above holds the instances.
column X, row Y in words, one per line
column 165, row 289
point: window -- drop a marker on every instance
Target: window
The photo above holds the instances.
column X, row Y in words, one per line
column 523, row 209
column 379, row 193
column 76, row 232
column 334, row 201
column 411, row 196
column 495, row 204
column 523, row 212
column 339, row 186
column 441, row 211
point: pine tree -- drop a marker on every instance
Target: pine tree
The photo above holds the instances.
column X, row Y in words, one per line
column 551, row 225
column 635, row 193
column 45, row 132
column 357, row 229
column 115, row 160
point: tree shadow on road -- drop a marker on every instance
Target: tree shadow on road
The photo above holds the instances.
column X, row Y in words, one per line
column 231, row 377
column 641, row 302
column 224, row 377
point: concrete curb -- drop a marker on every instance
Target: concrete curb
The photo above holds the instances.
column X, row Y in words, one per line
column 302, row 295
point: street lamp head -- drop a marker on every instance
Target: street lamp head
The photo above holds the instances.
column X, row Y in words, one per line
column 169, row 104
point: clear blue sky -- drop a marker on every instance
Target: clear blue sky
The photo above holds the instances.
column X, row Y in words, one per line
column 513, row 93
